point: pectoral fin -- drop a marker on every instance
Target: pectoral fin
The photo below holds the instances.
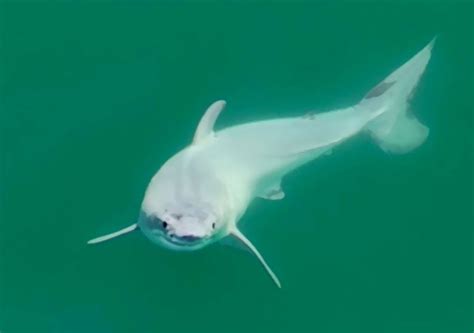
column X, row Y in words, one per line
column 240, row 237
column 101, row 239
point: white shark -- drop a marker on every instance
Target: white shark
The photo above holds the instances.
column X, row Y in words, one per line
column 199, row 195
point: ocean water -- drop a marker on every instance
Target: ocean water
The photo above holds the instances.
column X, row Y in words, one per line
column 96, row 95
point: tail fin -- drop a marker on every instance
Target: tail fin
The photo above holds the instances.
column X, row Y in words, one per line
column 396, row 130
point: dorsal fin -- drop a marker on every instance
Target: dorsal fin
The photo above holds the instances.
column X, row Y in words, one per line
column 206, row 124
column 241, row 237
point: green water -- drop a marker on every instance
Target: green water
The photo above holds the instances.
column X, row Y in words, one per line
column 95, row 96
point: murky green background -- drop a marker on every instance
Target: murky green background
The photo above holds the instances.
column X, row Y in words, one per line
column 95, row 96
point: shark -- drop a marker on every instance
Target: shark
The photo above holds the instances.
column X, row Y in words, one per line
column 199, row 195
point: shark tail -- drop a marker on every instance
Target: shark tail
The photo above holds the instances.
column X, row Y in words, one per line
column 395, row 129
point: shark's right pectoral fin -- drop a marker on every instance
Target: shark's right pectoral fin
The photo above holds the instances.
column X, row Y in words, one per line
column 247, row 244
column 101, row 239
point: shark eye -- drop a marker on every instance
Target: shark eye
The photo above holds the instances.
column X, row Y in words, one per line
column 164, row 224
column 214, row 225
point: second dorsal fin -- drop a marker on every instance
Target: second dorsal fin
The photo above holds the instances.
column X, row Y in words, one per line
column 206, row 124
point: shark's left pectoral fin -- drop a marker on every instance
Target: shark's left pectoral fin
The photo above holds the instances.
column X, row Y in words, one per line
column 206, row 124
column 126, row 230
column 245, row 242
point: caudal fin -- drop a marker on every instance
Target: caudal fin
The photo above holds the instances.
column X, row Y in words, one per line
column 396, row 130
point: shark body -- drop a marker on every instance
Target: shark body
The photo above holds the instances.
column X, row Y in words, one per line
column 199, row 195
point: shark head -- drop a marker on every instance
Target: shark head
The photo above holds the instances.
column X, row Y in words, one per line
column 181, row 212
column 183, row 228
